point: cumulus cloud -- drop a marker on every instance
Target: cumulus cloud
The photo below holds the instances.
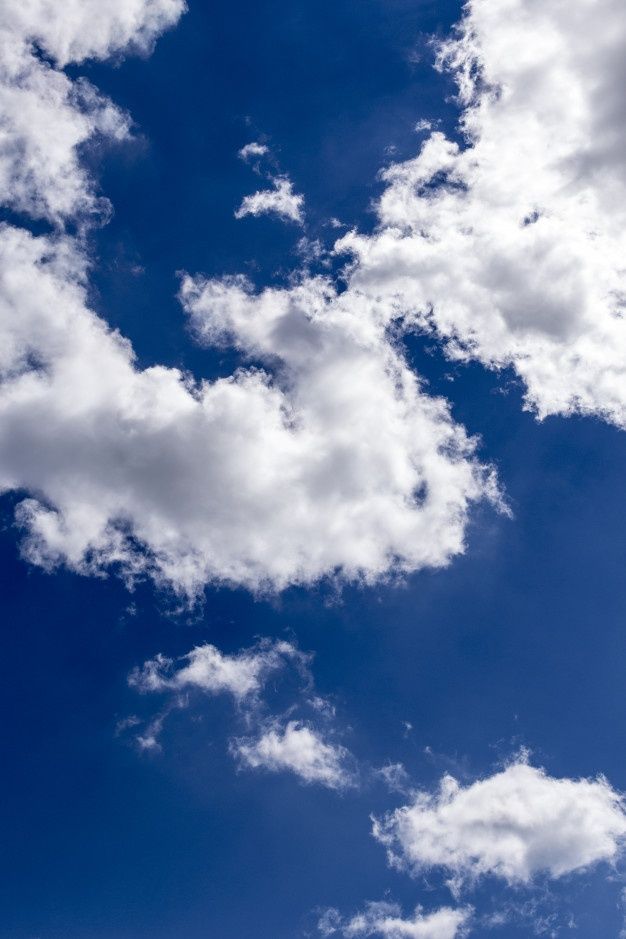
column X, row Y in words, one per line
column 331, row 461
column 327, row 460
column 89, row 29
column 296, row 748
column 385, row 920
column 45, row 117
column 208, row 669
column 514, row 825
column 511, row 247
column 280, row 200
column 330, row 458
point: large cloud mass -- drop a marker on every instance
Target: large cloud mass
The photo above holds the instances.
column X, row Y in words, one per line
column 329, row 459
column 342, row 465
column 515, row 824
column 511, row 247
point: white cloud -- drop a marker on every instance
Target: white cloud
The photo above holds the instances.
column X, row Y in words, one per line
column 331, row 460
column 395, row 777
column 515, row 825
column 386, row 920
column 280, row 200
column 267, row 478
column 273, row 742
column 257, row 479
column 76, row 30
column 148, row 739
column 45, row 116
column 207, row 668
column 298, row 749
column 253, row 149
column 512, row 248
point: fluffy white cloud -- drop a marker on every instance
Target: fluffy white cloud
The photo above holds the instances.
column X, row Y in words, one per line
column 76, row 30
column 280, row 200
column 44, row 116
column 386, row 920
column 298, row 749
column 512, row 247
column 338, row 463
column 515, row 824
column 207, row 668
column 331, row 460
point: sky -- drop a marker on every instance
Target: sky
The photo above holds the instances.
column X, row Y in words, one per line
column 312, row 413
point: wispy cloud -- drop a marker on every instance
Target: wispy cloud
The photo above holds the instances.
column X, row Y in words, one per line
column 273, row 741
column 253, row 150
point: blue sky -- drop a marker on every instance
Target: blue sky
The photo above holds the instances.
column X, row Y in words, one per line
column 480, row 639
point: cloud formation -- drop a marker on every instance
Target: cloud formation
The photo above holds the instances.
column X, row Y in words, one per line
column 46, row 116
column 253, row 149
column 511, row 247
column 280, row 200
column 264, row 479
column 208, row 669
column 88, row 29
column 327, row 460
column 276, row 742
column 386, row 921
column 515, row 825
column 297, row 748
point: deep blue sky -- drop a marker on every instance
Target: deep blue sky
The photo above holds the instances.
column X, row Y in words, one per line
column 518, row 642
